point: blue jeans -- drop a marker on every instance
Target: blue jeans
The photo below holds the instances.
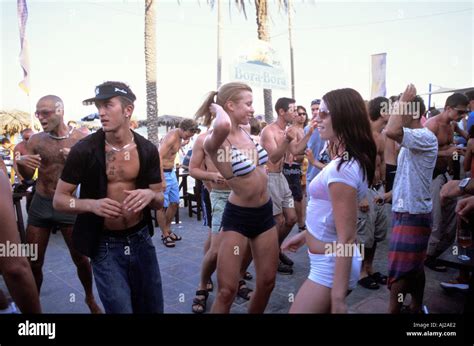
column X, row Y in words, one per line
column 127, row 274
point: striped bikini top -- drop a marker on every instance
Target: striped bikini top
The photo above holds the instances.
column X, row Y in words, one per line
column 241, row 165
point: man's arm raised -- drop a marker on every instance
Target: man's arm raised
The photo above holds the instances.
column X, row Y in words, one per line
column 222, row 126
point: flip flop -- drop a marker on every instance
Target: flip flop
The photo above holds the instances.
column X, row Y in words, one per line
column 244, row 292
column 168, row 241
column 368, row 283
column 199, row 304
column 174, row 236
column 379, row 278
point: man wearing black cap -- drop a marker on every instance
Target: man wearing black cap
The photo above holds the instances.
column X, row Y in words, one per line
column 120, row 176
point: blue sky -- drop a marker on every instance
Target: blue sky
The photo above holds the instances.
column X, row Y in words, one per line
column 76, row 45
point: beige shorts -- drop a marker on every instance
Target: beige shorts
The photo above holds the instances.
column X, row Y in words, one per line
column 372, row 226
column 218, row 201
column 280, row 192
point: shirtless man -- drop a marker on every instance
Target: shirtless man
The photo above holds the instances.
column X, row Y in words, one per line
column 444, row 219
column 15, row 270
column 278, row 141
column 391, row 154
column 292, row 168
column 169, row 147
column 47, row 151
column 20, row 149
column 120, row 176
column 372, row 224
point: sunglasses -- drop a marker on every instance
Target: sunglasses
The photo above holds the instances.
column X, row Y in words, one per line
column 461, row 111
column 302, row 114
column 44, row 113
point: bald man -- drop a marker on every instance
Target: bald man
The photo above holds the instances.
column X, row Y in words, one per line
column 47, row 151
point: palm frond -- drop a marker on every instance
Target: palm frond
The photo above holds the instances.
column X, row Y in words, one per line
column 15, row 121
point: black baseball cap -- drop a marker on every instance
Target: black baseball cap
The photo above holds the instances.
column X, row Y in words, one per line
column 105, row 92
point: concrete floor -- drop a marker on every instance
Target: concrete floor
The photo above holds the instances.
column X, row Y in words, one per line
column 180, row 271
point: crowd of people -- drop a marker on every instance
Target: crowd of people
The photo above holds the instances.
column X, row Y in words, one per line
column 349, row 176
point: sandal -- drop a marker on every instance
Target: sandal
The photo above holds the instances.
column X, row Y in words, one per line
column 174, row 236
column 210, row 285
column 168, row 241
column 248, row 276
column 243, row 291
column 379, row 278
column 369, row 283
column 199, row 304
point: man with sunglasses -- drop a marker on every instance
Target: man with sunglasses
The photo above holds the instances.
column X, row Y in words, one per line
column 443, row 126
column 46, row 151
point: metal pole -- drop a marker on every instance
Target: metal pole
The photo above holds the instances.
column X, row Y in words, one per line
column 429, row 96
column 291, row 52
column 219, row 38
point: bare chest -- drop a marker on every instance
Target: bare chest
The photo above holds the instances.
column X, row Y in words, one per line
column 445, row 135
column 122, row 166
column 51, row 150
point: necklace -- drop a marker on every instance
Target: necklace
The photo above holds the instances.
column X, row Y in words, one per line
column 122, row 148
column 59, row 137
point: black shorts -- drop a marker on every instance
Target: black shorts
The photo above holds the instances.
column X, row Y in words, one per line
column 390, row 171
column 293, row 176
column 42, row 214
column 250, row 222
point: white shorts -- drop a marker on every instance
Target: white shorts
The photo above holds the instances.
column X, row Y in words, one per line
column 323, row 266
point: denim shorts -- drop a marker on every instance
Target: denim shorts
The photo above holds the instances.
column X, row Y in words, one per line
column 172, row 189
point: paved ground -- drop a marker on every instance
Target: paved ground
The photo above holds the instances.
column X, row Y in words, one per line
column 180, row 270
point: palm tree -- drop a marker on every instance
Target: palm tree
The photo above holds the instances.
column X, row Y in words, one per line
column 150, row 67
column 264, row 35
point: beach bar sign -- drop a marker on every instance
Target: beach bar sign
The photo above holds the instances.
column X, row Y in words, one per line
column 260, row 67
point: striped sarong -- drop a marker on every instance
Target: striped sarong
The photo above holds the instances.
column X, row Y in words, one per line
column 408, row 244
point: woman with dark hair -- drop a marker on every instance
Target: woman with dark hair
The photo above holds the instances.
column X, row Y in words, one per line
column 248, row 214
column 332, row 209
